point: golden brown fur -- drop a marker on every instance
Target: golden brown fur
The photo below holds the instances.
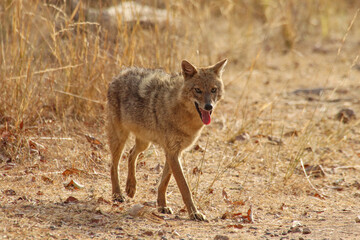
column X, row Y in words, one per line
column 168, row 110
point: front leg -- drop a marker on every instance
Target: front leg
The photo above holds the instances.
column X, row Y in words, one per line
column 176, row 168
column 161, row 200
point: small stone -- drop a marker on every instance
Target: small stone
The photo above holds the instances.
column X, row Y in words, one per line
column 357, row 219
column 284, row 233
column 295, row 229
column 345, row 115
column 221, row 237
column 148, row 233
column 306, row 231
column 161, row 232
column 301, row 238
column 135, row 210
column 296, row 224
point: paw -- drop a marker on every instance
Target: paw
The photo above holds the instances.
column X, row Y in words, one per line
column 165, row 210
column 131, row 188
column 197, row 216
column 118, row 197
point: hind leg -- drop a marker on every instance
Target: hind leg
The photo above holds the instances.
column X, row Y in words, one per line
column 139, row 147
column 117, row 138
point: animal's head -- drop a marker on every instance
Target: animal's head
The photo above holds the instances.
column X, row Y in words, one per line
column 203, row 87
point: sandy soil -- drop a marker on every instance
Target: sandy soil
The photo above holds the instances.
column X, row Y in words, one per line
column 247, row 159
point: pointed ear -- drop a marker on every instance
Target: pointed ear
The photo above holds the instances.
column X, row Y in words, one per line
column 188, row 70
column 218, row 68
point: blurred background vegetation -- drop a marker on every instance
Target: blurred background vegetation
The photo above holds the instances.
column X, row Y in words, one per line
column 58, row 56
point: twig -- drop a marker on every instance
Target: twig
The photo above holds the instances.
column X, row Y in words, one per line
column 52, row 138
column 308, row 179
column 47, row 71
column 78, row 96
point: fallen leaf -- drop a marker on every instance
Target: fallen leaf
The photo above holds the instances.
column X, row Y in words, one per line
column 228, row 200
column 71, row 199
column 73, row 185
column 102, row 200
column 238, row 203
column 8, row 166
column 148, row 233
column 10, row 192
column 226, row 197
column 182, row 210
column 293, row 133
column 238, row 226
column 93, row 141
column 239, row 216
column 249, row 216
column 318, row 196
column 196, row 170
column 71, row 171
column 282, row 207
column 21, row 125
column 35, row 147
column 47, row 180
column 198, row 148
column 141, row 164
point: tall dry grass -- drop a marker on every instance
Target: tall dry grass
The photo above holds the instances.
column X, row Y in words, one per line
column 53, row 60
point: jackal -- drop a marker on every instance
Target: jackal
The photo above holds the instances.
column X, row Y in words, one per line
column 169, row 110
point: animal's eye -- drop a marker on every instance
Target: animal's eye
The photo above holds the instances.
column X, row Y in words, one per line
column 198, row 90
column 213, row 90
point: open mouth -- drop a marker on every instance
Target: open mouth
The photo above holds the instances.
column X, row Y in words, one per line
column 204, row 115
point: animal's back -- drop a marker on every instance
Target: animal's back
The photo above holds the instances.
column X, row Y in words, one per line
column 141, row 99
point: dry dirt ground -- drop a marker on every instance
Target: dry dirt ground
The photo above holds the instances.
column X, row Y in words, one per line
column 277, row 162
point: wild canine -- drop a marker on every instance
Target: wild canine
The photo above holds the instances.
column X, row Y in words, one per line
column 168, row 110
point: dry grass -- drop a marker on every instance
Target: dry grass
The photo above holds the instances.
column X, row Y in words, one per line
column 57, row 58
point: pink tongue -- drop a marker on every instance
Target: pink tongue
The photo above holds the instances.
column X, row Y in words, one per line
column 205, row 117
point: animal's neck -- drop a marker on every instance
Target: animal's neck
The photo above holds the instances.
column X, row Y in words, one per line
column 187, row 117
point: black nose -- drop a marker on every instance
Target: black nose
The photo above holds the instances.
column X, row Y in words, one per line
column 208, row 107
